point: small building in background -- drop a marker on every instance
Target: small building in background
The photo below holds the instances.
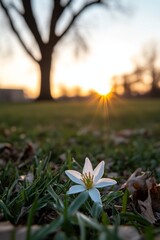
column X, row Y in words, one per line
column 12, row 95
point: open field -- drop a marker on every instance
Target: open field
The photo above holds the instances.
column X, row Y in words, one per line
column 44, row 138
column 85, row 128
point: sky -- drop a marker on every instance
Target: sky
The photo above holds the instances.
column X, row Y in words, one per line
column 115, row 39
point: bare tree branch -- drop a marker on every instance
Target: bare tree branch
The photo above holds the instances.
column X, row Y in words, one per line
column 16, row 32
column 77, row 15
column 56, row 13
column 31, row 22
column 46, row 49
column 11, row 5
column 68, row 3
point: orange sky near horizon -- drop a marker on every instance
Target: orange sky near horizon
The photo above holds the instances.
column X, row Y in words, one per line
column 111, row 52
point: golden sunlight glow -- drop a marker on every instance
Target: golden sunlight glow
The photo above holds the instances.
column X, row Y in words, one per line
column 103, row 89
column 92, row 72
column 112, row 51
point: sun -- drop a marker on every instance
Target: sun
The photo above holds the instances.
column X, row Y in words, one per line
column 103, row 90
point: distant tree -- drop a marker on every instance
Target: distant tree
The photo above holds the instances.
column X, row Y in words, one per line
column 150, row 58
column 77, row 90
column 146, row 72
column 128, row 80
column 63, row 90
column 127, row 85
column 46, row 48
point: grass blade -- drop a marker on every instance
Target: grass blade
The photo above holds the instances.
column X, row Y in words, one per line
column 91, row 222
column 82, row 227
column 6, row 211
column 77, row 203
column 124, row 201
column 30, row 218
column 96, row 210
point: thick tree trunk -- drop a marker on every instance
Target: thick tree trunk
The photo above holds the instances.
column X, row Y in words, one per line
column 45, row 86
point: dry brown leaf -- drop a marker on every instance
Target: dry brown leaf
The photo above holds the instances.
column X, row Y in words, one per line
column 27, row 153
column 5, row 146
column 123, row 136
column 117, row 139
column 145, row 194
column 146, row 205
column 133, row 132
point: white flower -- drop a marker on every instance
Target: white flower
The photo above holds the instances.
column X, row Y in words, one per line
column 89, row 180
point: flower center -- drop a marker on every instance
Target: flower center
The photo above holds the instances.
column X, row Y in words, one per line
column 87, row 178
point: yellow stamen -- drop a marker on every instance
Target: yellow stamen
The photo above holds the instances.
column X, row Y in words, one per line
column 87, row 178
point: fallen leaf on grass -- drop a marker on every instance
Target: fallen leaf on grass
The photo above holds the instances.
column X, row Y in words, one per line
column 123, row 136
column 84, row 130
column 117, row 139
column 133, row 132
column 27, row 153
column 28, row 178
column 88, row 130
column 18, row 156
column 7, row 152
column 145, row 194
column 146, row 209
column 5, row 147
column 62, row 157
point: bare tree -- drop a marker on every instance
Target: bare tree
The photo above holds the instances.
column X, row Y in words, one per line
column 147, row 70
column 46, row 48
column 64, row 92
column 150, row 56
column 129, row 80
column 146, row 73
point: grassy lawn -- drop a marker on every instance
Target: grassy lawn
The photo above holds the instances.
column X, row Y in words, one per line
column 39, row 141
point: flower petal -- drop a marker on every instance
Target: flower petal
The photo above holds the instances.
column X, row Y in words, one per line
column 95, row 195
column 76, row 189
column 105, row 182
column 87, row 166
column 98, row 172
column 74, row 176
